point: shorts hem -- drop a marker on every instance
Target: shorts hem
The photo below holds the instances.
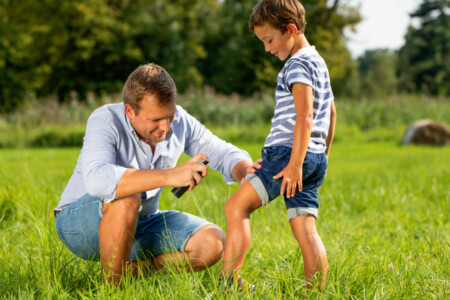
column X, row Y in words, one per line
column 300, row 211
column 258, row 185
column 183, row 245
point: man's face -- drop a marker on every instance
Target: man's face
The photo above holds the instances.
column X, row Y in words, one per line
column 153, row 120
column 275, row 42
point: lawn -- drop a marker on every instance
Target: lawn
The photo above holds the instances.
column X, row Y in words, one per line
column 384, row 219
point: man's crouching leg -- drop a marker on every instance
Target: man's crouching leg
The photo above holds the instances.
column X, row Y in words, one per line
column 205, row 247
column 116, row 235
column 202, row 250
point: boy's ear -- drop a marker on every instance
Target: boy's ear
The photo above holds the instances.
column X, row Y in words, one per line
column 293, row 30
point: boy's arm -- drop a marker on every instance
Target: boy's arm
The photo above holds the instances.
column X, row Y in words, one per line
column 332, row 127
column 292, row 173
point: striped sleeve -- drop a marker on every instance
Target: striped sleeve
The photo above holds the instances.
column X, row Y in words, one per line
column 297, row 72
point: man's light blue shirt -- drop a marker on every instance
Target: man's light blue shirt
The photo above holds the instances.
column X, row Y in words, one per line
column 111, row 146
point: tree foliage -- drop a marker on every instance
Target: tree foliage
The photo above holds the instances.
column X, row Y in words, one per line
column 424, row 60
column 249, row 69
column 377, row 72
column 74, row 47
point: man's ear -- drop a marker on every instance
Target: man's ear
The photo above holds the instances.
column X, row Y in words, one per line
column 129, row 111
column 293, row 30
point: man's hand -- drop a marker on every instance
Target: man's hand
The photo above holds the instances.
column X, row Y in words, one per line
column 292, row 178
column 189, row 173
column 252, row 168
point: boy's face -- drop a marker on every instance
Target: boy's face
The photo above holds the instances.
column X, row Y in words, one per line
column 275, row 42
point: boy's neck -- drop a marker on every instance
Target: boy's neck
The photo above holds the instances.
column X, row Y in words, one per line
column 300, row 42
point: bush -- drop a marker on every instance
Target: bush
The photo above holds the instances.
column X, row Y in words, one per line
column 50, row 124
column 58, row 138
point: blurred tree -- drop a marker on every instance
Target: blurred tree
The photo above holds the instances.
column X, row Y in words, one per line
column 172, row 34
column 62, row 46
column 20, row 52
column 377, row 72
column 236, row 61
column 73, row 47
column 424, row 60
column 326, row 23
column 95, row 54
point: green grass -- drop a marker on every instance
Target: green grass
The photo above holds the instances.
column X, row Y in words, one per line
column 384, row 219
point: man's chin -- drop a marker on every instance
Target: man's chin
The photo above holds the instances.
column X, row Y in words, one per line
column 159, row 138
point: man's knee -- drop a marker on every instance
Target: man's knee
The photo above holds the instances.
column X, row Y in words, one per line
column 206, row 245
column 215, row 238
column 129, row 205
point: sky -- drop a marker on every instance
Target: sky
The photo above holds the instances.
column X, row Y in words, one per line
column 384, row 24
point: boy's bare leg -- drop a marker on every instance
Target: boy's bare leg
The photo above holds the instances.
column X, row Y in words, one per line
column 237, row 210
column 313, row 251
column 116, row 235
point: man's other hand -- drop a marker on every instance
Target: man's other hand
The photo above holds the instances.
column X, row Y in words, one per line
column 252, row 169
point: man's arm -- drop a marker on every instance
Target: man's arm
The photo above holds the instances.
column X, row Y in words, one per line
column 105, row 179
column 241, row 169
column 224, row 157
column 136, row 181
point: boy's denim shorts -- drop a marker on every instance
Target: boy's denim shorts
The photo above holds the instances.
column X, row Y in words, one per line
column 165, row 231
column 275, row 159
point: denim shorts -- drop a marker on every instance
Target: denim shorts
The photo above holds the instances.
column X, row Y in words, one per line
column 274, row 161
column 165, row 231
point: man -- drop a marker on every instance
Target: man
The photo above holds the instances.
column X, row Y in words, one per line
column 109, row 209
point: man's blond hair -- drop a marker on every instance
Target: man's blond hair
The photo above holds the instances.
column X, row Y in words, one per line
column 146, row 80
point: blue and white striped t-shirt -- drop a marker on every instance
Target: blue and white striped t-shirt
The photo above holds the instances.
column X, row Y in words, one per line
column 308, row 67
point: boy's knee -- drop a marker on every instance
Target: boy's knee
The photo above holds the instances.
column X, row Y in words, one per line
column 233, row 207
column 228, row 207
column 243, row 202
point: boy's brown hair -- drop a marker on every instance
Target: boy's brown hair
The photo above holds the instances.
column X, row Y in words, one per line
column 278, row 14
column 149, row 79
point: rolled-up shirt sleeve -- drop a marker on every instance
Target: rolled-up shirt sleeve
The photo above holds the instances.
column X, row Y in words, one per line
column 223, row 156
column 99, row 170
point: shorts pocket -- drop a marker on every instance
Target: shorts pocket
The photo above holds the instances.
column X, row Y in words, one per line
column 277, row 153
column 321, row 172
column 308, row 168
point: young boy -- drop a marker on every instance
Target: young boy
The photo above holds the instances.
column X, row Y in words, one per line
column 295, row 152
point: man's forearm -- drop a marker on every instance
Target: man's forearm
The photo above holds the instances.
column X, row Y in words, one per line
column 137, row 181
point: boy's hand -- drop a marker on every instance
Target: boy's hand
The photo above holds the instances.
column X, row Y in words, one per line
column 292, row 178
